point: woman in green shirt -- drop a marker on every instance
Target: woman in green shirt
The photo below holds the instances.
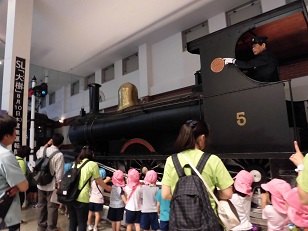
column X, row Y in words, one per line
column 79, row 209
column 192, row 141
column 22, row 153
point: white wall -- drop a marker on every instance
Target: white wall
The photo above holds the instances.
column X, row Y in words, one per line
column 172, row 68
column 267, row 5
column 299, row 89
column 163, row 67
column 64, row 130
column 217, row 22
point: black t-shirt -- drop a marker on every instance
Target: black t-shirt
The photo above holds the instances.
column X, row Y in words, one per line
column 263, row 68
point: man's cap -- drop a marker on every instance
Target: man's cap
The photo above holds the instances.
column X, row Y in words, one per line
column 259, row 39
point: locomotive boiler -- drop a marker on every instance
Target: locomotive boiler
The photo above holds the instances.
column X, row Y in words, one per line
column 253, row 124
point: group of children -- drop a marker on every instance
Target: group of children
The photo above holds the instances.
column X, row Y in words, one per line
column 142, row 203
column 280, row 204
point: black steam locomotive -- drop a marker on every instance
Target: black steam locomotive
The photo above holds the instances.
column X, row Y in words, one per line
column 253, row 124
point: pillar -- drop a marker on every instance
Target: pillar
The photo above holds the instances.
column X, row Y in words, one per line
column 17, row 64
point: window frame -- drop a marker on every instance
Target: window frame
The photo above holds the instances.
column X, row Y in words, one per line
column 73, row 90
column 52, row 98
column 126, row 68
column 104, row 70
column 242, row 7
column 89, row 79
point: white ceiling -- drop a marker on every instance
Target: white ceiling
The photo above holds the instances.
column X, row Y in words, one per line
column 79, row 37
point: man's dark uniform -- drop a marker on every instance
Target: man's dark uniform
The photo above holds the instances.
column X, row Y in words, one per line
column 264, row 67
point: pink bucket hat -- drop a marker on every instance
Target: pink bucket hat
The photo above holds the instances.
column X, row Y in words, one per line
column 243, row 182
column 133, row 178
column 150, row 177
column 118, row 178
column 297, row 212
column 278, row 188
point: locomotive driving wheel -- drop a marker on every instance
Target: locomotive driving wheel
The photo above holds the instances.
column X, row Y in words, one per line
column 259, row 168
column 139, row 154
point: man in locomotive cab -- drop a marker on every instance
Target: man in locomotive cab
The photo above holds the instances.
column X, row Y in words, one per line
column 264, row 67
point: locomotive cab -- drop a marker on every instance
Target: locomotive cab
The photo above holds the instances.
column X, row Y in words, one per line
column 249, row 116
column 251, row 119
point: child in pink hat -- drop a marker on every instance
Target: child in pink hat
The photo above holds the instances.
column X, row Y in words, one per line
column 297, row 213
column 241, row 198
column 275, row 209
column 118, row 178
column 133, row 204
column 150, row 178
column 133, row 178
column 149, row 217
column 117, row 200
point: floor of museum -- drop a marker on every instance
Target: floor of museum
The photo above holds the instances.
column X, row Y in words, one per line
column 29, row 215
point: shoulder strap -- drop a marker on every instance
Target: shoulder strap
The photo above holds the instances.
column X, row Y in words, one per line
column 85, row 184
column 79, row 169
column 50, row 157
column 6, row 204
column 202, row 161
column 44, row 151
column 99, row 189
column 19, row 158
column 83, row 164
column 28, row 170
column 131, row 194
column 177, row 165
column 53, row 154
column 207, row 187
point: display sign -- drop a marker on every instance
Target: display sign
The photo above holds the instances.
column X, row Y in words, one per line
column 18, row 98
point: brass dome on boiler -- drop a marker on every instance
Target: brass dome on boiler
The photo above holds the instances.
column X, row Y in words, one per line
column 127, row 96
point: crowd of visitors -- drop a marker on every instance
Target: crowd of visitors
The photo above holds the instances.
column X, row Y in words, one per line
column 144, row 204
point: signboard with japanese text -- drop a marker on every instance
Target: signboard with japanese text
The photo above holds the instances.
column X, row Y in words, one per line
column 18, row 98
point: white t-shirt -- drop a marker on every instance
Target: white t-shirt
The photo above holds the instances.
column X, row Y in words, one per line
column 149, row 202
column 133, row 201
column 96, row 196
column 275, row 221
column 242, row 205
column 116, row 197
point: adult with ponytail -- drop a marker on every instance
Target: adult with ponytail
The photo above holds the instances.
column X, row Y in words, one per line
column 192, row 142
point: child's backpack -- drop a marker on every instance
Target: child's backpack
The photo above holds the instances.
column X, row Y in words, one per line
column 68, row 191
column 41, row 170
column 190, row 207
column 29, row 174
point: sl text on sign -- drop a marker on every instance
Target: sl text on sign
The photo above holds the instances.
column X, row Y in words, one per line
column 18, row 98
